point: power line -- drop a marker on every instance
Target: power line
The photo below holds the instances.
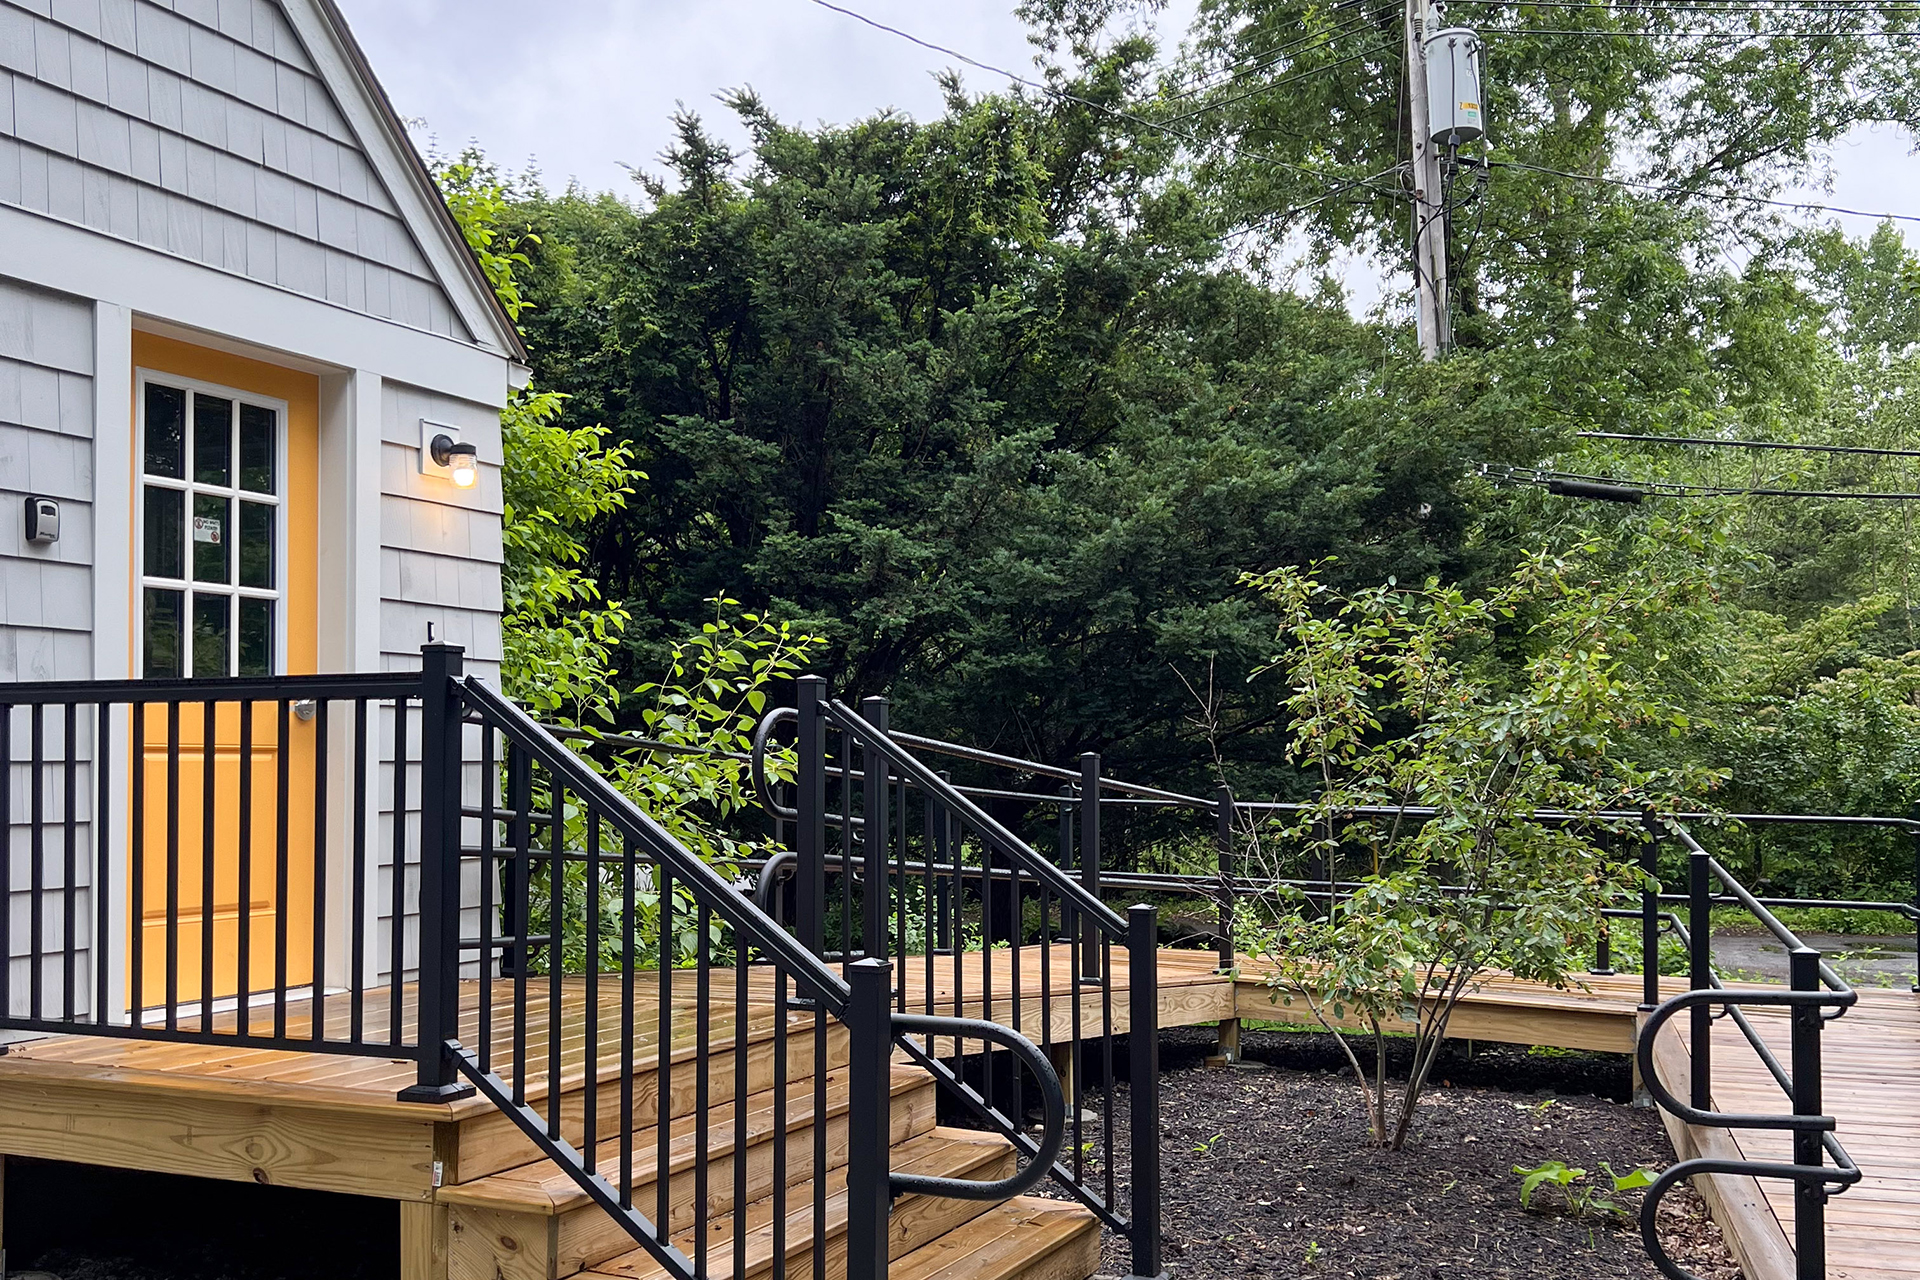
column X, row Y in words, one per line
column 1384, row 46
column 1846, row 8
column 1266, row 59
column 1750, row 444
column 1731, row 197
column 1064, row 96
column 1686, row 35
column 1565, row 481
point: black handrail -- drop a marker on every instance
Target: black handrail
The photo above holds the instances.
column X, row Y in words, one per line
column 1045, row 1154
column 938, row 911
column 715, row 890
column 583, row 810
column 1816, row 995
column 440, row 773
column 1004, row 841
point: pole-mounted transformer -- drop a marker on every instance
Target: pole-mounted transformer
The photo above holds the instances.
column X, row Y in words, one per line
column 1456, row 113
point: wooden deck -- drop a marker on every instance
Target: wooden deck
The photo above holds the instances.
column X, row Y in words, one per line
column 1871, row 1075
column 332, row 1123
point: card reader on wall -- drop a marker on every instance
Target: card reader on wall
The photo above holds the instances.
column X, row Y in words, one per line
column 43, row 521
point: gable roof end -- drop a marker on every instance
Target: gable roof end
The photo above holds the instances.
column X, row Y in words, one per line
column 453, row 244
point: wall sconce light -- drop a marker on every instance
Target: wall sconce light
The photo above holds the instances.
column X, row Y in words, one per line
column 444, row 453
column 462, row 461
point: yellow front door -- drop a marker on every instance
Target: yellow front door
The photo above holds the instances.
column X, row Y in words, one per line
column 226, row 501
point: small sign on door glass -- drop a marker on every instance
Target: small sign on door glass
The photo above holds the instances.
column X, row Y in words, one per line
column 206, row 529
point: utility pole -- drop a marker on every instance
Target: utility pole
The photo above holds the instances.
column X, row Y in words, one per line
column 1429, row 198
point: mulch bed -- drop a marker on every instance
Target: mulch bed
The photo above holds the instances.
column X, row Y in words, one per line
column 1266, row 1170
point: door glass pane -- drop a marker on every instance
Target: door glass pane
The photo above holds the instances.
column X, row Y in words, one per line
column 166, row 514
column 256, row 544
column 166, row 431
column 162, row 632
column 259, row 442
column 256, row 637
column 210, row 541
column 212, row 440
column 212, row 630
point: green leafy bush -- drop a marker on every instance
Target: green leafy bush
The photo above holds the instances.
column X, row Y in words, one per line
column 1397, row 702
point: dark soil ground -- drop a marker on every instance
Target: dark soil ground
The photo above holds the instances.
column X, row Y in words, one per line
column 1266, row 1170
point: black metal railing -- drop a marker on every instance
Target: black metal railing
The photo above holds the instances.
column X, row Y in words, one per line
column 1228, row 883
column 214, row 861
column 1815, row 995
column 892, row 861
column 407, row 866
column 621, row 1027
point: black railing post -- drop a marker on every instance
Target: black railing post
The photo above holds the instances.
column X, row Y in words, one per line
column 1227, row 1036
column 1916, row 899
column 1650, row 919
column 1603, row 938
column 1809, row 1195
column 1143, row 1070
column 1700, row 975
column 869, row 1022
column 514, row 960
column 1223, row 850
column 1090, row 860
column 810, row 828
column 876, row 795
column 438, row 1000
column 946, row 886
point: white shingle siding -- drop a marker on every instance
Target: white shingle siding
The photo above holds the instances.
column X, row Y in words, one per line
column 440, row 556
column 46, row 609
column 200, row 128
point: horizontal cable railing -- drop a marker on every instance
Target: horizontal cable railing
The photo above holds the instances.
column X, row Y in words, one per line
column 1227, row 886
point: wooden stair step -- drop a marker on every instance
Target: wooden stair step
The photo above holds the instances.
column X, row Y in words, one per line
column 489, row 1142
column 1026, row 1238
column 535, row 1223
column 539, row 1186
column 915, row 1222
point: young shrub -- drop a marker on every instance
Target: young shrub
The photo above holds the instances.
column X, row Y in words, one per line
column 1410, row 699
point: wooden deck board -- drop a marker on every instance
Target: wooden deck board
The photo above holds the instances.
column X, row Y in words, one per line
column 1871, row 1078
column 1872, row 1060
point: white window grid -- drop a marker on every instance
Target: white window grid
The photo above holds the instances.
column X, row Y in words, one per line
column 230, row 540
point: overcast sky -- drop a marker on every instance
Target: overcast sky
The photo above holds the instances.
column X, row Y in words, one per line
column 585, row 87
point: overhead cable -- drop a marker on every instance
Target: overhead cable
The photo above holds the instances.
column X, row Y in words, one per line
column 1686, row 35
column 1267, row 59
column 1843, row 8
column 1571, row 483
column 1728, row 196
column 1709, row 441
column 1064, row 96
column 1387, row 46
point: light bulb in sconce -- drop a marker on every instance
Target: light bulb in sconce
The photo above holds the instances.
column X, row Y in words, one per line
column 461, row 460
